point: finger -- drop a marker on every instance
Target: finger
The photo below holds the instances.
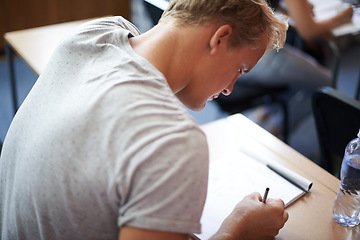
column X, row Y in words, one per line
column 254, row 196
column 276, row 201
column 258, row 196
column 286, row 216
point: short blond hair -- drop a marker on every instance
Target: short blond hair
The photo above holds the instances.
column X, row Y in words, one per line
column 250, row 19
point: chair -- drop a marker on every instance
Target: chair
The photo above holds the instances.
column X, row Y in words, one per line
column 249, row 94
column 337, row 119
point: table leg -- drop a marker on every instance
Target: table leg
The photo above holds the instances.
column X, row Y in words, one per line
column 10, row 61
column 357, row 93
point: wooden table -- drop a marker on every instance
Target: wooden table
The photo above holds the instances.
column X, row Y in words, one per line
column 35, row 47
column 310, row 217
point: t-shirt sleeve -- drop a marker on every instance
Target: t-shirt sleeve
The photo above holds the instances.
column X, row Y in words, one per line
column 168, row 187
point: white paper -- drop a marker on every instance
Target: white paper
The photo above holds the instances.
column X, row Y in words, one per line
column 231, row 179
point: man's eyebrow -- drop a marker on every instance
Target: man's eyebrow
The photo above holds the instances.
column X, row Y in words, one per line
column 247, row 70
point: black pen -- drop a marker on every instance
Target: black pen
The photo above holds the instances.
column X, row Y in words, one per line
column 265, row 195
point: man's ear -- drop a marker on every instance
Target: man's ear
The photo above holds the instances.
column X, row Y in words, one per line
column 220, row 38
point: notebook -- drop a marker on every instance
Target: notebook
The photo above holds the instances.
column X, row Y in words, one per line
column 237, row 175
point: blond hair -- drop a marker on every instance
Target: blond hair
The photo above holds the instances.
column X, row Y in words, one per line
column 250, row 19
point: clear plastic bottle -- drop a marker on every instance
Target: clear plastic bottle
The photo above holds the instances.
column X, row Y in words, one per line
column 346, row 210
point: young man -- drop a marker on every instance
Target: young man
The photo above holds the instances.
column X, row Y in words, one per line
column 102, row 148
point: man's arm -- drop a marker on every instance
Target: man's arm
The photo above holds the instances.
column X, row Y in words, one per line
column 132, row 233
column 302, row 14
column 250, row 219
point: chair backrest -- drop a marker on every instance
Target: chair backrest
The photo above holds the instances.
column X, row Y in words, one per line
column 337, row 119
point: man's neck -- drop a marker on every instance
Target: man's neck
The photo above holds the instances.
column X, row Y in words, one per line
column 173, row 50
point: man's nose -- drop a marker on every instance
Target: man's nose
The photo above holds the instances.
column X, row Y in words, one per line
column 227, row 91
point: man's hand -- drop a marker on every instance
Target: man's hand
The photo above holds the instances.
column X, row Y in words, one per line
column 252, row 219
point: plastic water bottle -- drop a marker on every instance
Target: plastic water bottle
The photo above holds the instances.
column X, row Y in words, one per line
column 346, row 210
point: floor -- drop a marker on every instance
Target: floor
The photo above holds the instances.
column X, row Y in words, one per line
column 302, row 137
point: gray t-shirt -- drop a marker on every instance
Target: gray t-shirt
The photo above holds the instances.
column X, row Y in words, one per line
column 100, row 142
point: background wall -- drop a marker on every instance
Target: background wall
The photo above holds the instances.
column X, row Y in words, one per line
column 22, row 14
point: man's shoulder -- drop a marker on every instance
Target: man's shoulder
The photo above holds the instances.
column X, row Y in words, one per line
column 107, row 23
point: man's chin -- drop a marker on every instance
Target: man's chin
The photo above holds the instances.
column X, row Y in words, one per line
column 197, row 108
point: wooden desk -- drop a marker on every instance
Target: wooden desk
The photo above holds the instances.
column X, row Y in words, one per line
column 309, row 217
column 35, row 47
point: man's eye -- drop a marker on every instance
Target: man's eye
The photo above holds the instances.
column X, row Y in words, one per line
column 240, row 70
